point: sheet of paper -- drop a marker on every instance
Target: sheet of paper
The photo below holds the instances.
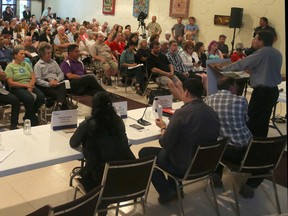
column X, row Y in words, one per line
column 138, row 65
column 5, row 152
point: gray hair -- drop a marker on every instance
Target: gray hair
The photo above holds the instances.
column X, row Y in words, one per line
column 17, row 49
column 42, row 47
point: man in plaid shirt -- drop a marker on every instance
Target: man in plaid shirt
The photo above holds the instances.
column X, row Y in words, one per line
column 175, row 59
column 232, row 112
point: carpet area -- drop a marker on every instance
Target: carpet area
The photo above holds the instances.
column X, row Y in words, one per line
column 132, row 104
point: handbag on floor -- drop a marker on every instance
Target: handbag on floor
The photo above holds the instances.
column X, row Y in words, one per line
column 152, row 93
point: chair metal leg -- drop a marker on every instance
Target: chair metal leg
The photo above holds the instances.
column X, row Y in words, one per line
column 143, row 202
column 126, row 80
column 214, row 195
column 180, row 204
column 75, row 193
column 276, row 194
column 236, row 200
column 117, row 209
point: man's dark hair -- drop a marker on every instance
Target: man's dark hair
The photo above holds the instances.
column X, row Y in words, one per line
column 194, row 87
column 71, row 47
column 153, row 44
column 192, row 18
column 76, row 36
column 224, row 83
column 131, row 43
column 172, row 42
column 222, row 36
column 266, row 36
column 127, row 26
column 265, row 19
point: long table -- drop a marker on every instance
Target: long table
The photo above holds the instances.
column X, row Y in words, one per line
column 44, row 147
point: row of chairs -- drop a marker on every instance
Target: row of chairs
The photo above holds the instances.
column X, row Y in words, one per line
column 130, row 180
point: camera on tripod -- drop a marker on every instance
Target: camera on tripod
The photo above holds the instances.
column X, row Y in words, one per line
column 141, row 17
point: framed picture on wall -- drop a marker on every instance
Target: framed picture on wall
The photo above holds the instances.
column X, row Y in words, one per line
column 179, row 8
column 139, row 6
column 221, row 20
column 108, row 7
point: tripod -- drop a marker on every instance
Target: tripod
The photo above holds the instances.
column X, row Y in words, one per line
column 143, row 31
column 233, row 41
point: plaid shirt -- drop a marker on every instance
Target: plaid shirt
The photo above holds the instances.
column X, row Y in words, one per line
column 232, row 112
column 177, row 62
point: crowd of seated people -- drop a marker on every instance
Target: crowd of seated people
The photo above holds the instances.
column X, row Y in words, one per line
column 112, row 49
column 103, row 46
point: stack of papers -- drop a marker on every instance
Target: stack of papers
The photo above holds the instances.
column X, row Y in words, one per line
column 236, row 74
column 5, row 152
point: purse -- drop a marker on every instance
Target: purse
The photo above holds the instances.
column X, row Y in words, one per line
column 152, row 93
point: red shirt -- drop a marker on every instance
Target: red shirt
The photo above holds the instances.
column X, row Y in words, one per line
column 117, row 46
column 235, row 56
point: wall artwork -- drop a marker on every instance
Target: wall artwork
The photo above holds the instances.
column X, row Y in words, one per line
column 140, row 5
column 108, row 7
column 221, row 20
column 179, row 8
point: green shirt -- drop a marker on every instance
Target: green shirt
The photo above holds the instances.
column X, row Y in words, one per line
column 20, row 73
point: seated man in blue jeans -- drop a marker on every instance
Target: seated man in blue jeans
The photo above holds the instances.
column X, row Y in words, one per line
column 192, row 124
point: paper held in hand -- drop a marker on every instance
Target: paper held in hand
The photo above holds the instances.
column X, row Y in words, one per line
column 138, row 65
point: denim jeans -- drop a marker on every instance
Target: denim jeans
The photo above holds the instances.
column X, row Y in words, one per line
column 31, row 106
column 15, row 107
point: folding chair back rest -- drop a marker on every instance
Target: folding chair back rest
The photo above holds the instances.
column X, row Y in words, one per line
column 85, row 205
column 127, row 180
column 206, row 159
column 43, row 211
column 263, row 153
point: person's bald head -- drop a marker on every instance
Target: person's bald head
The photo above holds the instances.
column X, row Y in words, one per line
column 27, row 41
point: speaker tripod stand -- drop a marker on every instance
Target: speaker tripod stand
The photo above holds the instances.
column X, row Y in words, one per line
column 233, row 41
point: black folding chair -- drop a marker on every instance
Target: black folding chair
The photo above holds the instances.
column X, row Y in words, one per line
column 262, row 156
column 85, row 205
column 125, row 181
column 202, row 167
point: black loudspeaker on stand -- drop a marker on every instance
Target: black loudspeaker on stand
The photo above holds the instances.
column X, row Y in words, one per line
column 236, row 16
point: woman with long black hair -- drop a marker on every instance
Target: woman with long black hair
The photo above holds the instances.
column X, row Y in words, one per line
column 103, row 139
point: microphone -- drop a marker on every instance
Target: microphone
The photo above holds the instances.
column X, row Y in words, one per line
column 143, row 122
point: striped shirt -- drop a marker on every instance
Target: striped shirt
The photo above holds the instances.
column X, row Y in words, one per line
column 177, row 62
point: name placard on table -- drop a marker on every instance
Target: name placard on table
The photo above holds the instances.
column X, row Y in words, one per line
column 64, row 119
column 121, row 108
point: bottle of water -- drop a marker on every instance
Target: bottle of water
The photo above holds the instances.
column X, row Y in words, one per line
column 27, row 127
column 155, row 107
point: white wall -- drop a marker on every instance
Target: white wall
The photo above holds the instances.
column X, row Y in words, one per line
column 36, row 7
column 203, row 10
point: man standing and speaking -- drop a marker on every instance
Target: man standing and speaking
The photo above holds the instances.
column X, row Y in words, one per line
column 265, row 74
